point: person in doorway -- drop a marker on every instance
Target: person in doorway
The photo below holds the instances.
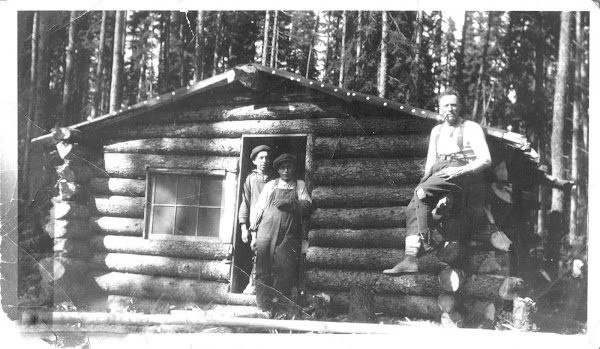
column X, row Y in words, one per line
column 457, row 155
column 276, row 227
column 253, row 186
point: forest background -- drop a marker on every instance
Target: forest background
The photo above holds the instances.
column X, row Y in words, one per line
column 524, row 71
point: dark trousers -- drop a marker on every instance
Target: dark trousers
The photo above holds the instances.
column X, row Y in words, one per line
column 434, row 187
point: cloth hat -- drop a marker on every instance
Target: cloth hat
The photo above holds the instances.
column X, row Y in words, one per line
column 258, row 149
column 285, row 157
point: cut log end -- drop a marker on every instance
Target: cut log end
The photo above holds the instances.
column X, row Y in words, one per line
column 451, row 279
column 452, row 320
column 447, row 302
column 510, row 288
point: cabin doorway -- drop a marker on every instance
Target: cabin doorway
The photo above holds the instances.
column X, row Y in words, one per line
column 279, row 144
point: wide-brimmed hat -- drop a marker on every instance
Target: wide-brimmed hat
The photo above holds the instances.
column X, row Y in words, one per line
column 258, row 149
column 284, row 158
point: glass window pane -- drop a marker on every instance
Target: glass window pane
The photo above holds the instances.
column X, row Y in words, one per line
column 165, row 190
column 210, row 191
column 163, row 220
column 210, row 219
column 187, row 192
column 186, row 221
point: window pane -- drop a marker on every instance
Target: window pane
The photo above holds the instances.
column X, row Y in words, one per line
column 165, row 189
column 186, row 221
column 210, row 191
column 210, row 219
column 187, row 193
column 163, row 220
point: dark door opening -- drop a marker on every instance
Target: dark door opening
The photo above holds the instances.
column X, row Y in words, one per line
column 292, row 144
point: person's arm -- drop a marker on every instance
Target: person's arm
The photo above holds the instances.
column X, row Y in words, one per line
column 304, row 200
column 259, row 207
column 431, row 152
column 244, row 212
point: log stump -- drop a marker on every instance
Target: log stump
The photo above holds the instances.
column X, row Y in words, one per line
column 362, row 305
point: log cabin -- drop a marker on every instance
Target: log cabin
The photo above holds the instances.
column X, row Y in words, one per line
column 145, row 214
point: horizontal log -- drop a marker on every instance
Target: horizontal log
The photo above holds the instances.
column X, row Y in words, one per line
column 342, row 280
column 368, row 171
column 362, row 196
column 358, row 218
column 287, row 111
column 181, row 146
column 366, row 238
column 161, row 287
column 70, row 151
column 233, row 129
column 162, row 266
column 117, row 226
column 419, row 307
column 376, row 259
column 118, row 206
column 393, row 146
column 134, row 165
column 475, row 286
column 492, row 286
column 67, row 229
column 451, row 279
column 123, row 304
column 68, row 210
column 118, row 186
column 167, row 248
column 72, row 248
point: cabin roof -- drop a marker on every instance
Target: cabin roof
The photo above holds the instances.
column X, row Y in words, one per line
column 241, row 74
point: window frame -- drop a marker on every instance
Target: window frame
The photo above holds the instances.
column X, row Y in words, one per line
column 148, row 214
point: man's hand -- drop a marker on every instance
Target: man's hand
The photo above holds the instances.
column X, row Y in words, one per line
column 245, row 234
column 283, row 204
column 253, row 245
column 450, row 172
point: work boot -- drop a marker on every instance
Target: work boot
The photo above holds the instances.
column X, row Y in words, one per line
column 409, row 262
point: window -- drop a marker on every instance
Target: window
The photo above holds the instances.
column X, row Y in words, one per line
column 184, row 204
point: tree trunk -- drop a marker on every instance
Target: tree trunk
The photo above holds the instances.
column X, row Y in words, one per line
column 199, row 71
column 558, row 121
column 482, row 67
column 460, row 60
column 165, row 248
column 312, row 44
column 141, row 90
column 265, row 39
column 162, row 266
column 117, row 226
column 361, row 238
column 219, row 25
column 41, row 119
column 116, row 88
column 274, row 42
column 96, row 108
column 382, row 76
column 359, row 43
column 183, row 81
column 573, row 234
column 362, row 196
column 67, row 96
column 343, row 50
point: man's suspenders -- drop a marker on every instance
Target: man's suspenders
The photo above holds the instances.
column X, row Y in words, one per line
column 459, row 139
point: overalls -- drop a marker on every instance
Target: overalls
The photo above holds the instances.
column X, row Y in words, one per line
column 278, row 246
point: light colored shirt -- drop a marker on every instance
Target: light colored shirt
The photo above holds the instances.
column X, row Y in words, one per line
column 253, row 186
column 475, row 146
column 268, row 194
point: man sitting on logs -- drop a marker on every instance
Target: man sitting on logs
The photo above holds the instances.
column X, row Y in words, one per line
column 457, row 155
column 253, row 186
column 277, row 236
